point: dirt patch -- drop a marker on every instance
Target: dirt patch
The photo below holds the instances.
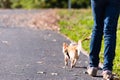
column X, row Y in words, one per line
column 42, row 19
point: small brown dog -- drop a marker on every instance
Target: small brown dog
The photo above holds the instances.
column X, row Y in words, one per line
column 71, row 52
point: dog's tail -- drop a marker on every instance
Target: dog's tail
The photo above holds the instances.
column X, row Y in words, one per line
column 80, row 44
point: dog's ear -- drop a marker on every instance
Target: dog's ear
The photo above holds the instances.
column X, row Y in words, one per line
column 65, row 45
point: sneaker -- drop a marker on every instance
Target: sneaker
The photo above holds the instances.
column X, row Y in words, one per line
column 92, row 71
column 107, row 75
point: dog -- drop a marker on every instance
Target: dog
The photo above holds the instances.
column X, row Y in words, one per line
column 71, row 52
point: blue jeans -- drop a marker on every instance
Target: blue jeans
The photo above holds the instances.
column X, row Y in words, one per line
column 105, row 14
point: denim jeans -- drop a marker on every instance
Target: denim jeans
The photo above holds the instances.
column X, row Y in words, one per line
column 105, row 14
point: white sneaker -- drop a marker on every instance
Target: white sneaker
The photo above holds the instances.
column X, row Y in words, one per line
column 92, row 71
column 107, row 75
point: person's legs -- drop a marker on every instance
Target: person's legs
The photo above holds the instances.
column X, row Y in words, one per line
column 98, row 10
column 110, row 27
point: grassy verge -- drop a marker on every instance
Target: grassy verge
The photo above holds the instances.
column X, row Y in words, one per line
column 77, row 24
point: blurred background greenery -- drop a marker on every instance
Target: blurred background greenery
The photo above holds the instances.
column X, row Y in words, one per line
column 34, row 4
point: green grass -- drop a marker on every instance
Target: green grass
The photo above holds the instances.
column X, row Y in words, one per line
column 77, row 24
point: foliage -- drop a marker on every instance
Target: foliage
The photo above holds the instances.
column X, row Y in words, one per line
column 30, row 4
column 77, row 24
column 56, row 3
column 80, row 3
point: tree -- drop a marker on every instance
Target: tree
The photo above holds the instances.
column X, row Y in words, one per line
column 5, row 3
column 30, row 4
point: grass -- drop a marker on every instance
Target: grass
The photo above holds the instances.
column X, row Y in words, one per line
column 77, row 24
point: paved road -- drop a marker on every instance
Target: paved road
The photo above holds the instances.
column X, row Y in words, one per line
column 28, row 54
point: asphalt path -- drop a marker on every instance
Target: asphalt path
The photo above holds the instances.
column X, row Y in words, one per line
column 29, row 54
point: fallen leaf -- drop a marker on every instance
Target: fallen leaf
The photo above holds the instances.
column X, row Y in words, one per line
column 27, row 65
column 75, row 74
column 54, row 55
column 54, row 40
column 5, row 42
column 39, row 62
column 54, row 74
column 49, row 35
column 41, row 72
